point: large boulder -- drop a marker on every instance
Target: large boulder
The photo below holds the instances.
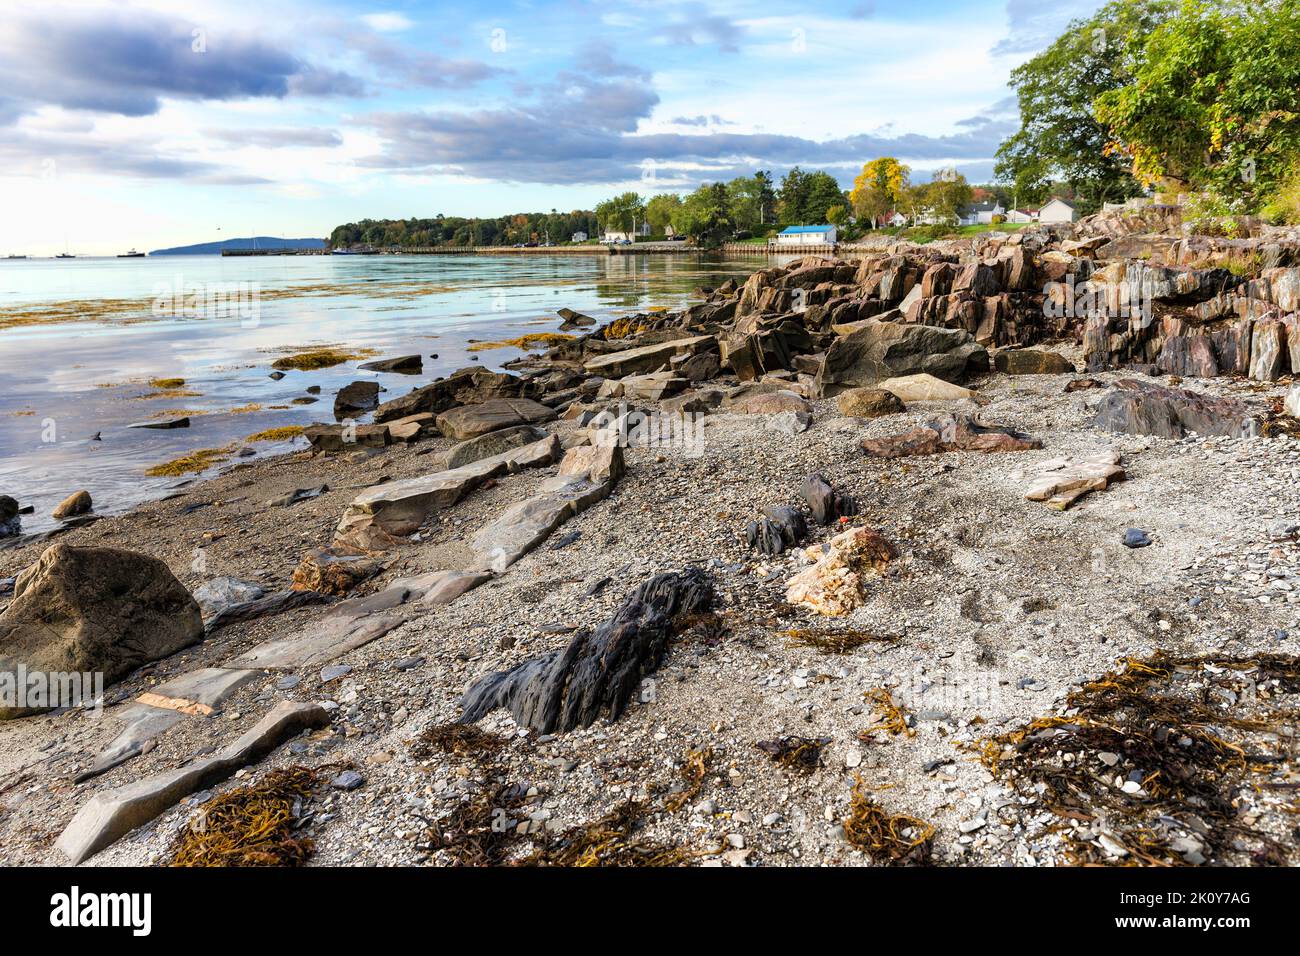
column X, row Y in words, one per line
column 1143, row 408
column 356, row 398
column 94, row 610
column 885, row 350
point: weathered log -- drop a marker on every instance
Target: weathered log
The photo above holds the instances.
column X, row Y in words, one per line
column 600, row 670
column 780, row 527
column 826, row 503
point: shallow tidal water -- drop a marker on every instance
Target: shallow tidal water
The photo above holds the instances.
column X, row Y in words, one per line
column 81, row 340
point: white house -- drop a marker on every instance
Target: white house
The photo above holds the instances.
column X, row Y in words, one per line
column 1022, row 215
column 579, row 237
column 642, row 229
column 981, row 214
column 897, row 219
column 807, row 236
column 1057, row 210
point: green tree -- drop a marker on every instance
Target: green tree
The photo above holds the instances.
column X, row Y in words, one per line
column 659, row 211
column 1060, row 137
column 1214, row 103
column 704, row 216
column 622, row 213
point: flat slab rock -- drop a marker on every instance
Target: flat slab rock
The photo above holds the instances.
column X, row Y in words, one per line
column 1062, row 481
column 112, row 814
column 197, row 693
column 470, row 421
column 647, row 358
column 949, row 433
column 380, row 515
column 1142, row 408
column 926, row 388
column 336, row 634
column 587, row 475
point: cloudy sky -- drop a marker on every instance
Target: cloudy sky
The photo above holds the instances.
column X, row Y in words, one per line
column 160, row 122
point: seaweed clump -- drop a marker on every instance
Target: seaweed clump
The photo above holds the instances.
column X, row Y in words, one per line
column 195, row 461
column 1155, row 763
column 802, row 754
column 463, row 740
column 531, row 340
column 612, row 840
column 257, row 825
column 889, row 716
column 887, row 838
column 835, row 642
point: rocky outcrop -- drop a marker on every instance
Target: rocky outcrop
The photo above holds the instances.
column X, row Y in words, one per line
column 587, row 475
column 885, row 350
column 647, row 358
column 94, row 610
column 1143, row 408
column 485, row 446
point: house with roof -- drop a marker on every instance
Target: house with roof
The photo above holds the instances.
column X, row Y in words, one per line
column 1027, row 214
column 579, row 236
column 1057, row 210
column 642, row 230
column 807, row 236
column 981, row 214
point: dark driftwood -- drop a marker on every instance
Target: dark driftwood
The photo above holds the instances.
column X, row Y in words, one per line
column 600, row 670
column 781, row 527
column 826, row 503
column 275, row 603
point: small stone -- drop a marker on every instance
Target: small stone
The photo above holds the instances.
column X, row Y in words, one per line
column 1136, row 538
column 347, row 780
column 334, row 672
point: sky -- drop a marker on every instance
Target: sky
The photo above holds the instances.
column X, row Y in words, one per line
column 152, row 123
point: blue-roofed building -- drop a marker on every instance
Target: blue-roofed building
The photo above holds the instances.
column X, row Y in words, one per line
column 806, row 236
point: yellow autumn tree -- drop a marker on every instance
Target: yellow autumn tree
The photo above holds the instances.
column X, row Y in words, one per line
column 878, row 188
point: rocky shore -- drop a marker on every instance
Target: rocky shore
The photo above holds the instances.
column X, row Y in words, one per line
column 900, row 558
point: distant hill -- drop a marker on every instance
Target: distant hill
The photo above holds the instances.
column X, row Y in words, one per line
column 256, row 242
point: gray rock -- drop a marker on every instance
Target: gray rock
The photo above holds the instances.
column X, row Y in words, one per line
column 103, row 610
column 471, row 421
column 110, row 815
column 219, row 593
column 882, row 350
column 1142, row 408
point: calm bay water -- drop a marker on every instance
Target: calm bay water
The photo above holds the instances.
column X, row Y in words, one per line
column 219, row 323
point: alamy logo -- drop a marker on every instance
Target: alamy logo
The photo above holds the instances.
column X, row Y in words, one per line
column 24, row 689
column 76, row 909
